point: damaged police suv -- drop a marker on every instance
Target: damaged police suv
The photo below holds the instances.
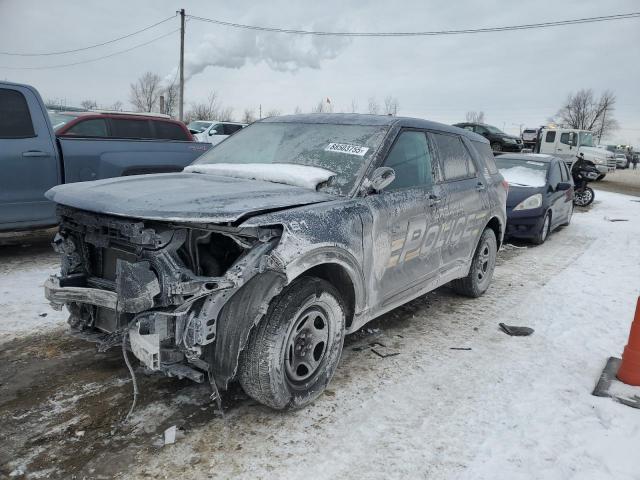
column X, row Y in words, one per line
column 253, row 263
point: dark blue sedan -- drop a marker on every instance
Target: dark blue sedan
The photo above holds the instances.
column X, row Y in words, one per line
column 540, row 194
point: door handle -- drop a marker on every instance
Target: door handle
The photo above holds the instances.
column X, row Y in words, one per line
column 480, row 187
column 34, row 153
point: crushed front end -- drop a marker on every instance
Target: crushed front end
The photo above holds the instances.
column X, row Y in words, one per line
column 162, row 285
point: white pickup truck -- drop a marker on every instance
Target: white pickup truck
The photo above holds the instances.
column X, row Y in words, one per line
column 568, row 143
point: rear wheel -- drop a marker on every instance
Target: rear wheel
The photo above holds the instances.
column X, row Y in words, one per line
column 544, row 231
column 482, row 266
column 293, row 352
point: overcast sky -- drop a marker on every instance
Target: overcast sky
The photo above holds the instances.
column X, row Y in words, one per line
column 519, row 77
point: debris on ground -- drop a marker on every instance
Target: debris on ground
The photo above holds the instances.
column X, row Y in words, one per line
column 459, row 348
column 516, row 331
column 383, row 351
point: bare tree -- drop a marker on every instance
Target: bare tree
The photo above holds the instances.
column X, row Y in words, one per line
column 391, row 105
column 249, row 116
column 116, row 106
column 354, row 106
column 373, row 106
column 274, row 112
column 475, row 117
column 144, row 94
column 298, row 110
column 323, row 106
column 89, row 104
column 225, row 114
column 584, row 111
column 170, row 99
column 208, row 110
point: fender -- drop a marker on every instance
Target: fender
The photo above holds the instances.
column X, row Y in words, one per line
column 335, row 255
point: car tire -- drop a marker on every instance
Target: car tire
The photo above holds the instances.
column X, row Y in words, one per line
column 545, row 230
column 496, row 147
column 293, row 352
column 482, row 266
column 569, row 215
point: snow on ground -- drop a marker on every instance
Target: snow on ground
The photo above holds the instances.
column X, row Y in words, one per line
column 22, row 303
column 511, row 407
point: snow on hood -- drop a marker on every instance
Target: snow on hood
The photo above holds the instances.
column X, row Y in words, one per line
column 524, row 176
column 297, row 175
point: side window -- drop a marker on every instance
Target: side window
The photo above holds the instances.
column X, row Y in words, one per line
column 169, row 131
column 480, row 130
column 127, row 128
column 564, row 138
column 564, row 173
column 485, row 152
column 219, row 129
column 411, row 159
column 230, row 129
column 454, row 159
column 15, row 119
column 93, row 127
column 550, row 137
column 468, row 127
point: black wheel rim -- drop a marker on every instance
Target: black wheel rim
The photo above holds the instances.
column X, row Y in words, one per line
column 307, row 344
column 484, row 261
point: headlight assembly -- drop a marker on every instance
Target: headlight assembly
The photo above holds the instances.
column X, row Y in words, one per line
column 534, row 201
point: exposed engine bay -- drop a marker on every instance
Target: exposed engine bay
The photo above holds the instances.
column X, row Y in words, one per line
column 163, row 285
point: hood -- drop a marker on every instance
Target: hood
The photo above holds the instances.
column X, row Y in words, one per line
column 595, row 152
column 183, row 197
column 506, row 135
column 517, row 194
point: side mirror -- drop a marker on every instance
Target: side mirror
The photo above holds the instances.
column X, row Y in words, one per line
column 381, row 178
column 213, row 132
column 563, row 186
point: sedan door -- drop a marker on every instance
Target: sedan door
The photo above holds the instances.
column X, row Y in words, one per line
column 559, row 200
column 401, row 220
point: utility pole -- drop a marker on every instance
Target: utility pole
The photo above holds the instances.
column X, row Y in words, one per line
column 181, row 108
column 260, row 115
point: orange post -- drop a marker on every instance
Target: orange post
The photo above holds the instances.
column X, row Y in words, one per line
column 629, row 371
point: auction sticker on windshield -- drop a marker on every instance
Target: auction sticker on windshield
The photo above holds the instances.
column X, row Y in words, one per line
column 346, row 148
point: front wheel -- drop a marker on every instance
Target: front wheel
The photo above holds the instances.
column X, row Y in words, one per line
column 542, row 235
column 292, row 354
column 496, row 147
column 482, row 267
column 584, row 197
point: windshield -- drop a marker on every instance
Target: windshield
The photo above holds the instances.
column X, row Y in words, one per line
column 586, row 139
column 343, row 149
column 198, row 126
column 493, row 129
column 530, row 173
column 60, row 119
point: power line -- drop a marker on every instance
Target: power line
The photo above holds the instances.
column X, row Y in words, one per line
column 61, row 52
column 94, row 59
column 530, row 26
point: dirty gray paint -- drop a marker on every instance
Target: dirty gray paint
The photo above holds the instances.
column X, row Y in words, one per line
column 283, row 232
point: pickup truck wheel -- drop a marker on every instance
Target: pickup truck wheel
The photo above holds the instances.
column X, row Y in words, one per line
column 482, row 266
column 292, row 354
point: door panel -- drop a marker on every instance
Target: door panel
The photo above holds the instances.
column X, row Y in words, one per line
column 29, row 161
column 402, row 220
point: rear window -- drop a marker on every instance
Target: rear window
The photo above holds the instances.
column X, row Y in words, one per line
column 169, row 131
column 129, row 128
column 485, row 152
column 15, row 119
column 94, row 127
column 455, row 160
column 551, row 137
